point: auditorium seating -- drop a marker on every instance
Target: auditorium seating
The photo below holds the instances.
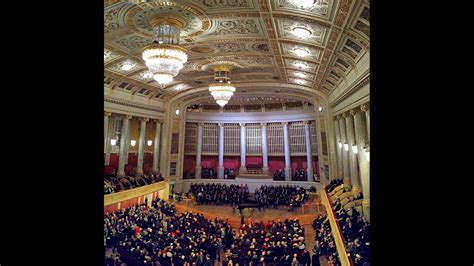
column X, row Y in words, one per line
column 347, row 206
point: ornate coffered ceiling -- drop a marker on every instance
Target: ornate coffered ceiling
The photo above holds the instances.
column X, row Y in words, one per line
column 257, row 35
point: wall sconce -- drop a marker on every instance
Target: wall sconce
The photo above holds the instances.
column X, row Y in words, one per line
column 355, row 150
column 346, row 146
column 133, row 142
column 177, row 112
column 113, row 142
column 339, row 143
column 149, row 143
column 320, row 108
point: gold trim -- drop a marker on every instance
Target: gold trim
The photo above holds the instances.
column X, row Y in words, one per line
column 158, row 20
column 226, row 68
column 164, row 46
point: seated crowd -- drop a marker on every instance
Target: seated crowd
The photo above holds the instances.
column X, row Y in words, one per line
column 333, row 184
column 300, row 175
column 114, row 183
column 274, row 196
column 273, row 243
column 355, row 230
column 279, row 174
column 325, row 245
column 356, row 233
column 229, row 173
column 219, row 193
column 145, row 235
column 208, row 173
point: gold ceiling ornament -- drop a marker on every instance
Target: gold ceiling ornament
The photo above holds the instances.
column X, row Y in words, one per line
column 164, row 57
column 222, row 90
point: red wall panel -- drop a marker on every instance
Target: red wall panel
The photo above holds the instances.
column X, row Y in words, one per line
column 254, row 160
column 298, row 162
column 210, row 162
column 232, row 162
column 275, row 163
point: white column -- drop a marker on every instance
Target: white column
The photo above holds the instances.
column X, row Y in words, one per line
column 338, row 150
column 309, row 157
column 141, row 146
column 198, row 151
column 365, row 108
column 124, row 145
column 243, row 166
column 108, row 127
column 364, row 166
column 265, row 168
column 355, row 181
column 345, row 157
column 286, row 141
column 156, row 147
column 220, row 168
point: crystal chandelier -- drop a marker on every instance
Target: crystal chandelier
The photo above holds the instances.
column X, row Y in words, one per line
column 164, row 57
column 222, row 90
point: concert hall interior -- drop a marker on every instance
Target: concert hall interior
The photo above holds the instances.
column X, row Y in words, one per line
column 237, row 132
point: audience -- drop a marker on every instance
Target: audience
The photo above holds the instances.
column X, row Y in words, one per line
column 208, row 173
column 219, row 193
column 325, row 245
column 274, row 196
column 300, row 175
column 229, row 173
column 356, row 234
column 114, row 183
column 279, row 175
column 355, row 230
column 158, row 234
column 333, row 184
column 273, row 243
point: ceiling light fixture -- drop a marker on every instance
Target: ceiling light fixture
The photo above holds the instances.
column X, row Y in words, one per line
column 127, row 65
column 147, row 75
column 222, row 90
column 164, row 57
column 301, row 65
column 301, row 52
column 301, row 32
column 299, row 74
column 304, row 3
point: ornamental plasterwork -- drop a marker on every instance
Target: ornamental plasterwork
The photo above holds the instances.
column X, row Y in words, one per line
column 109, row 56
column 133, row 43
column 323, row 11
column 300, row 81
column 231, row 47
column 227, row 3
column 248, row 27
column 285, row 28
column 256, row 34
column 140, row 20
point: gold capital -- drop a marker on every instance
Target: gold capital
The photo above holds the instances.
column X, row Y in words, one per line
column 364, row 107
column 107, row 113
